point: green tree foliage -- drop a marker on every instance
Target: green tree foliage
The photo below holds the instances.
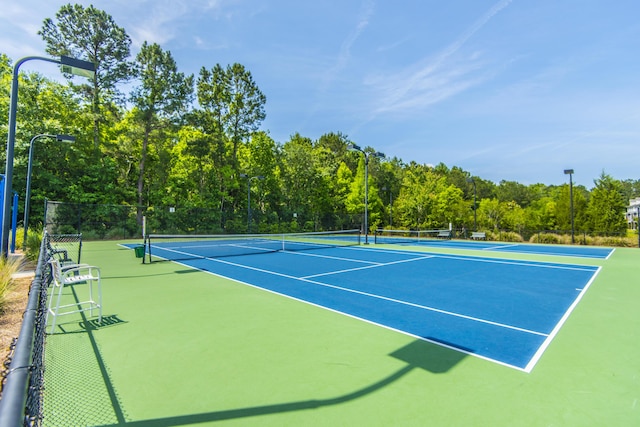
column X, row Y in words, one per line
column 631, row 188
column 513, row 191
column 303, row 182
column 163, row 151
column 161, row 99
column 260, row 157
column 607, row 206
column 232, row 105
column 541, row 214
column 490, row 214
column 563, row 208
column 426, row 200
column 92, row 34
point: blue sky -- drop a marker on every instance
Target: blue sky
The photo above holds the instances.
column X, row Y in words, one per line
column 515, row 90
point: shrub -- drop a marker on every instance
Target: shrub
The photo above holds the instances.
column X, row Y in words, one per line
column 8, row 266
column 20, row 237
column 116, row 233
column 549, row 238
column 34, row 240
column 615, row 241
column 504, row 236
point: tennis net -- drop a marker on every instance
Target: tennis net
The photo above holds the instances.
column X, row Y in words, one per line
column 168, row 247
column 410, row 236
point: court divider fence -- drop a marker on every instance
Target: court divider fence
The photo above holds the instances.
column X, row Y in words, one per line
column 105, row 222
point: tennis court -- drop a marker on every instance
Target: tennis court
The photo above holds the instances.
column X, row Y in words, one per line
column 503, row 311
column 401, row 237
column 350, row 335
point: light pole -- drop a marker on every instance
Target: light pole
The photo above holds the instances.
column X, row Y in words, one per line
column 69, row 65
column 475, row 215
column 66, row 138
column 244, row 175
column 354, row 147
column 570, row 173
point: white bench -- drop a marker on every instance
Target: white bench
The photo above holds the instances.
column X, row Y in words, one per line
column 444, row 234
column 70, row 275
column 478, row 235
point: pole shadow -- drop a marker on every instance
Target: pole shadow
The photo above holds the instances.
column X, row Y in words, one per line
column 417, row 354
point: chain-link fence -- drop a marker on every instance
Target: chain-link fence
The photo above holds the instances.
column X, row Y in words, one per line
column 23, row 375
column 97, row 222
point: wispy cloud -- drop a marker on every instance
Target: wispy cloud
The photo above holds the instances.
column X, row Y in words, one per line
column 435, row 79
column 162, row 21
column 158, row 24
column 344, row 55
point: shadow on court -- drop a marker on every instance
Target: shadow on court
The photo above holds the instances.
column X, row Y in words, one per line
column 417, row 354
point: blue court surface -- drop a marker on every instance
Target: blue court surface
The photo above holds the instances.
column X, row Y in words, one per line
column 503, row 311
column 528, row 248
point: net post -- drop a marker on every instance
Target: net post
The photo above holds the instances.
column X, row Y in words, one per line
column 147, row 245
column 79, row 246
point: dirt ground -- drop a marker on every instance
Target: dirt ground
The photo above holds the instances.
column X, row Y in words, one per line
column 11, row 317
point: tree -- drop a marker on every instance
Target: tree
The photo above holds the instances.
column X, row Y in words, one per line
column 302, row 182
column 232, row 103
column 491, row 213
column 162, row 97
column 514, row 217
column 631, row 188
column 356, row 197
column 91, row 34
column 563, row 208
column 342, row 187
column 260, row 157
column 607, row 206
column 427, row 201
column 390, row 177
column 541, row 214
column 509, row 191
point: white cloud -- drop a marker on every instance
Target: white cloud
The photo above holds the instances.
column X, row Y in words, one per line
column 345, row 49
column 436, row 78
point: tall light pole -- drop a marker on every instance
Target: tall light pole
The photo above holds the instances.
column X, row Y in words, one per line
column 354, row 147
column 66, row 138
column 570, row 173
column 244, row 175
column 475, row 214
column 69, row 65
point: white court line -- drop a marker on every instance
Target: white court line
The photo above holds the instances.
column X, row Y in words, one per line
column 424, row 307
column 560, row 253
column 555, row 330
column 362, row 319
column 471, row 258
column 363, row 268
column 527, row 369
column 491, row 248
column 525, row 263
column 196, row 256
column 611, row 253
column 331, row 257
